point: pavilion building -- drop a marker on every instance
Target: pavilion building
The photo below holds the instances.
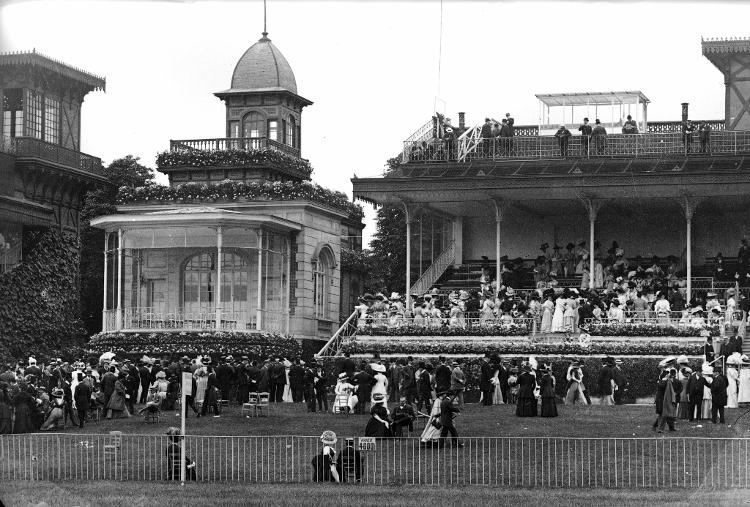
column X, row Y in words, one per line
column 241, row 240
column 656, row 192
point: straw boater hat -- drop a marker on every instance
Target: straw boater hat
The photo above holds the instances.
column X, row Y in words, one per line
column 395, row 296
column 667, row 362
column 328, row 438
column 342, row 375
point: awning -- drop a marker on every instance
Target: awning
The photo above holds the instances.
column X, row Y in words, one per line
column 592, row 98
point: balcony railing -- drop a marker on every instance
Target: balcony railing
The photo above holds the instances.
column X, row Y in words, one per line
column 656, row 145
column 36, row 148
column 232, row 143
column 152, row 319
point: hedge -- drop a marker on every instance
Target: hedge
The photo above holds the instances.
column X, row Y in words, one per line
column 233, row 158
column 525, row 347
column 499, row 330
column 254, row 345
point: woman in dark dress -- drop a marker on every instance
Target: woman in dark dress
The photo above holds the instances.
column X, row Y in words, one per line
column 5, row 410
column 379, row 424
column 547, row 391
column 526, row 406
column 26, row 412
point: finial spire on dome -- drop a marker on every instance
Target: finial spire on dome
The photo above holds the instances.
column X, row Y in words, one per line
column 265, row 31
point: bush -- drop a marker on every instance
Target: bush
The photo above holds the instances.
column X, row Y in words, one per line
column 512, row 330
column 218, row 158
column 635, row 329
column 253, row 345
column 39, row 299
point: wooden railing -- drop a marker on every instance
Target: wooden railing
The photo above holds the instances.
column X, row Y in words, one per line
column 146, row 318
column 333, row 346
column 36, row 148
column 232, row 143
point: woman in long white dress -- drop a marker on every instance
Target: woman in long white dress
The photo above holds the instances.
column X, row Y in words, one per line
column 287, row 396
column 361, row 310
column 201, row 380
column 431, row 434
column 497, row 393
column 345, row 397
column 381, row 382
column 548, row 307
column 558, row 321
column 744, row 394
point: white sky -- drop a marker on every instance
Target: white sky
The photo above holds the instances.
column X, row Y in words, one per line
column 371, row 68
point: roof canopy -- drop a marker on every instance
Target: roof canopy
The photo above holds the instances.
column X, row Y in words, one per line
column 592, row 98
column 35, row 59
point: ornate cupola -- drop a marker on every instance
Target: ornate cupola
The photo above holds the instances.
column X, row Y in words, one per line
column 263, row 102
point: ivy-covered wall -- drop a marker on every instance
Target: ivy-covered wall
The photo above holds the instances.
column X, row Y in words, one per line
column 39, row 299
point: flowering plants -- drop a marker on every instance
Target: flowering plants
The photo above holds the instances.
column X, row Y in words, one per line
column 229, row 190
column 203, row 158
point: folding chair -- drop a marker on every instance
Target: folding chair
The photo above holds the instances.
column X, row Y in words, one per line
column 251, row 404
column 263, row 399
column 341, row 404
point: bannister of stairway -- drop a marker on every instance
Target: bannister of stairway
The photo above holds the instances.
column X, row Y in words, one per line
column 435, row 271
column 333, row 346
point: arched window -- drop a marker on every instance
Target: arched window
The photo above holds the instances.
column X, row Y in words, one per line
column 291, row 128
column 252, row 125
column 200, row 279
column 322, row 276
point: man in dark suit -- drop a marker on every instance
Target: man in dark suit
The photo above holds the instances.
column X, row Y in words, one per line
column 108, row 384
column 277, row 376
column 442, row 376
column 447, row 411
column 296, row 381
column 485, row 381
column 363, row 380
column 264, row 378
column 347, row 366
column 718, row 396
column 394, row 376
column 253, row 377
column 604, row 382
column 145, row 376
column 403, row 416
column 82, row 397
column 621, row 381
column 502, row 376
column 408, row 382
column 224, row 374
column 695, row 386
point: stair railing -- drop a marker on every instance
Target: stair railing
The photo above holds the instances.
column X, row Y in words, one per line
column 435, row 271
column 332, row 348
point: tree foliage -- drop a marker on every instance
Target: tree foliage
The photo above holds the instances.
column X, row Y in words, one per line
column 123, row 172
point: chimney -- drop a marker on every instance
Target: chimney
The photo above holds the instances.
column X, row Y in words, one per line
column 462, row 120
column 684, row 111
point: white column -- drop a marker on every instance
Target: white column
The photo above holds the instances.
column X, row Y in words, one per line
column 219, row 240
column 118, row 316
column 689, row 204
column 500, row 206
column 258, row 311
column 458, row 240
column 408, row 258
column 288, row 288
column 104, row 303
column 592, row 220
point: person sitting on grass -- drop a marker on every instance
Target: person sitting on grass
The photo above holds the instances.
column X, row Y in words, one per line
column 174, row 457
column 349, row 463
column 403, row 416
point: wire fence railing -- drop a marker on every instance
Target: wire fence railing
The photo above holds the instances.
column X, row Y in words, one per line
column 503, row 461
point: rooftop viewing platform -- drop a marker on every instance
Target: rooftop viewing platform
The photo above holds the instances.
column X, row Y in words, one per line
column 232, row 143
column 574, row 126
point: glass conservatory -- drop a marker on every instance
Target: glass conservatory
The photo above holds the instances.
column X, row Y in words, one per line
column 203, row 268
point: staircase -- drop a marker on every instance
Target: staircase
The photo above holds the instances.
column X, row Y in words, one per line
column 435, row 271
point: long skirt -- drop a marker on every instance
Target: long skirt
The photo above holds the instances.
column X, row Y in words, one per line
column 376, row 428
column 430, row 433
column 497, row 396
column 706, row 408
column 574, row 395
column 683, row 410
column 549, row 407
column 526, row 407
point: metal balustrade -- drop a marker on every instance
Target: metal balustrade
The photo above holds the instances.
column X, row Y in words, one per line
column 145, row 318
column 559, row 462
column 231, row 143
column 652, row 145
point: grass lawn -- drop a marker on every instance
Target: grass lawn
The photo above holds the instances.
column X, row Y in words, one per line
column 623, row 421
column 587, row 446
column 130, row 494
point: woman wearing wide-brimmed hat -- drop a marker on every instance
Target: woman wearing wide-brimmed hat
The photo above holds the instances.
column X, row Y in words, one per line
column 547, row 392
column 324, row 464
column 379, row 424
column 526, row 405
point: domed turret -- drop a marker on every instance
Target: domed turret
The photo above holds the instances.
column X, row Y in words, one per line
column 263, row 67
column 262, row 104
